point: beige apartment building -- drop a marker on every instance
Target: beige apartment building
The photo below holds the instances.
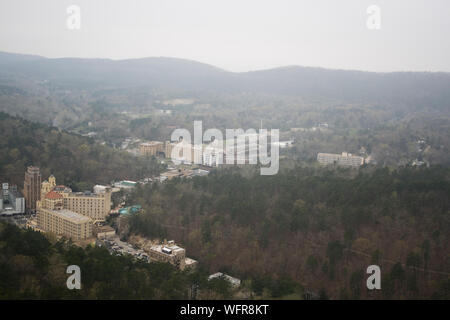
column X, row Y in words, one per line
column 184, row 151
column 64, row 222
column 344, row 159
column 93, row 205
column 52, row 217
column 151, row 148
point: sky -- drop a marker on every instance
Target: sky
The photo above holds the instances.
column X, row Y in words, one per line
column 237, row 35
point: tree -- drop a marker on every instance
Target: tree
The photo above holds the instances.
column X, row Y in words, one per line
column 426, row 252
column 397, row 272
column 335, row 251
column 413, row 260
column 311, row 263
column 356, row 282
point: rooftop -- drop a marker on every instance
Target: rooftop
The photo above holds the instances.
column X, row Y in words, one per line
column 174, row 248
column 151, row 143
column 62, row 188
column 232, row 280
column 189, row 261
column 126, row 183
column 52, row 195
column 85, row 194
column 76, row 217
column 105, row 229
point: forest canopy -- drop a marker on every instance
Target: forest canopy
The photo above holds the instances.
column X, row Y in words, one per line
column 73, row 159
column 322, row 227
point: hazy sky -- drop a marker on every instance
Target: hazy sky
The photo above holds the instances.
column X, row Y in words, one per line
column 237, row 35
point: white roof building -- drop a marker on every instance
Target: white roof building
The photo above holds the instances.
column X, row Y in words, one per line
column 235, row 282
column 345, row 159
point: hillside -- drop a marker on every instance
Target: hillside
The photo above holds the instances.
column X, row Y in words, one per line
column 69, row 84
column 74, row 160
column 320, row 227
column 174, row 73
column 85, row 73
column 33, row 266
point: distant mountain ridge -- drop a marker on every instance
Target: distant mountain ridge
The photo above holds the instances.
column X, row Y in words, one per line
column 431, row 88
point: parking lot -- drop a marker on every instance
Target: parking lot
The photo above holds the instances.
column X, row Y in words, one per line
column 116, row 246
column 18, row 220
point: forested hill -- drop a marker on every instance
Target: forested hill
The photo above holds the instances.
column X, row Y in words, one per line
column 419, row 88
column 33, row 266
column 320, row 227
column 74, row 160
column 122, row 98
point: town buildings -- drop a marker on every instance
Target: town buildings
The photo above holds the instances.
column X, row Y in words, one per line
column 95, row 205
column 181, row 173
column 104, row 232
column 11, row 200
column 47, row 186
column 235, row 282
column 243, row 149
column 171, row 253
column 100, row 189
column 64, row 222
column 32, row 188
column 152, row 148
column 53, row 217
column 183, row 152
column 125, row 184
column 344, row 159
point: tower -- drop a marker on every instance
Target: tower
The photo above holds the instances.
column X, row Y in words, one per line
column 32, row 187
column 47, row 186
column 52, row 181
